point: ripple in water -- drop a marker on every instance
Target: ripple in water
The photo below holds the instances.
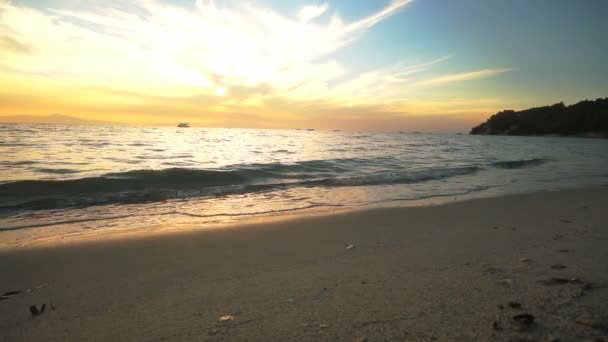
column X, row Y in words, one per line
column 102, row 176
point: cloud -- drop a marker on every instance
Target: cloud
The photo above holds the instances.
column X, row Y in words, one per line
column 308, row 13
column 155, row 47
column 384, row 83
column 372, row 20
column 208, row 58
column 464, row 76
column 11, row 45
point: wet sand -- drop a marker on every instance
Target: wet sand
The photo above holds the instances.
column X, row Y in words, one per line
column 459, row 271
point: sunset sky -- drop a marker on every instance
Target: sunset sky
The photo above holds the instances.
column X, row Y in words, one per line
column 432, row 65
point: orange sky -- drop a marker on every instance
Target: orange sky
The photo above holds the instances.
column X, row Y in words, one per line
column 153, row 63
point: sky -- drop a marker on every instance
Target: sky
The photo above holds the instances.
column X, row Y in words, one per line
column 376, row 65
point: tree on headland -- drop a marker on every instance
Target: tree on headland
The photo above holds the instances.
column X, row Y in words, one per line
column 586, row 118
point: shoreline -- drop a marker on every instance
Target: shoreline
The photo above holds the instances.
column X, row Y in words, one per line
column 18, row 240
column 459, row 271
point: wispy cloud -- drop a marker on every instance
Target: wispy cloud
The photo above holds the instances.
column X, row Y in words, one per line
column 147, row 58
column 372, row 20
column 384, row 83
column 464, row 76
column 310, row 12
column 157, row 48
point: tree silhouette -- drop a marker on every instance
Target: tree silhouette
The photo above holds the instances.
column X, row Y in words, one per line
column 586, row 118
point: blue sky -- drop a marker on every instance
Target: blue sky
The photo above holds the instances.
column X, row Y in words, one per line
column 558, row 48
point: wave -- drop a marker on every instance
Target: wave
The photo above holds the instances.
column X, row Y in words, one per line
column 386, row 178
column 17, row 163
column 517, row 164
column 56, row 171
column 139, row 186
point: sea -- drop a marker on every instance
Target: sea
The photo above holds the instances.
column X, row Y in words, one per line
column 59, row 183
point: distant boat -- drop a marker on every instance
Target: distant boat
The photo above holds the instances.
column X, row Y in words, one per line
column 183, row 125
column 310, row 129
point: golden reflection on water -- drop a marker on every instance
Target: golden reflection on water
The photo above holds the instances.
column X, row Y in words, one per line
column 249, row 174
column 92, row 151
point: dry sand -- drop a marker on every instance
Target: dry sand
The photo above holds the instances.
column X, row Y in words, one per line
column 446, row 272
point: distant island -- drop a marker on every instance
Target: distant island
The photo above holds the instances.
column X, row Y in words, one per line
column 54, row 119
column 585, row 119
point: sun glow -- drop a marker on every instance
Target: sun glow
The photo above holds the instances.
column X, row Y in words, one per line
column 145, row 56
column 221, row 91
column 153, row 47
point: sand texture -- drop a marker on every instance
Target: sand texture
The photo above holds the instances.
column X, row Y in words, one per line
column 519, row 268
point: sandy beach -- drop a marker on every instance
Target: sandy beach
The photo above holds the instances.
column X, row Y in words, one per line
column 358, row 171
column 454, row 272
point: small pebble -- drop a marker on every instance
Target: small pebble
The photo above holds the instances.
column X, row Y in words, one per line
column 515, row 305
column 226, row 318
column 524, row 319
column 34, row 310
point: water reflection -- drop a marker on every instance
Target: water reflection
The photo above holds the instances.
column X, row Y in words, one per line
column 259, row 173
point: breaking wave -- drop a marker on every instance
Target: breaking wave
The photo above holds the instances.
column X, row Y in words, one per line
column 139, row 186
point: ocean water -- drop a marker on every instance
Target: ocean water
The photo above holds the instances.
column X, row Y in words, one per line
column 68, row 181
